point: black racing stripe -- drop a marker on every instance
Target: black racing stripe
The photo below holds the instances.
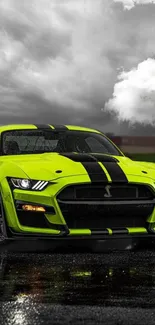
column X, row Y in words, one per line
column 104, row 158
column 115, row 172
column 42, row 126
column 119, row 231
column 99, row 232
column 60, row 127
column 79, row 157
column 95, row 172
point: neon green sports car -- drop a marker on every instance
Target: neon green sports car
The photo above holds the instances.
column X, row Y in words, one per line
column 71, row 182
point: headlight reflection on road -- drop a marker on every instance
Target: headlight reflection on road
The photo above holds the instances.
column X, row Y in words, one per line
column 17, row 311
column 81, row 274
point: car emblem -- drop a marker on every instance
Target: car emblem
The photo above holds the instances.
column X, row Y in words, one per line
column 107, row 194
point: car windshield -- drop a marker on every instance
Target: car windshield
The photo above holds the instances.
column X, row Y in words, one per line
column 40, row 141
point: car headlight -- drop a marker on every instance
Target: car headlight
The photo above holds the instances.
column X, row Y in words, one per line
column 27, row 184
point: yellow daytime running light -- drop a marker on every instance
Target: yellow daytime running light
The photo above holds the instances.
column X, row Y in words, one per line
column 28, row 207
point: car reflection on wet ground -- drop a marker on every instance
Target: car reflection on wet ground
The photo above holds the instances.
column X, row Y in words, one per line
column 80, row 288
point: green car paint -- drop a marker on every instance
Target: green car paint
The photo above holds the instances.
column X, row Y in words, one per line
column 63, row 170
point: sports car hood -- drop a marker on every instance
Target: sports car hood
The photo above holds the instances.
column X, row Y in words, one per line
column 51, row 166
column 137, row 168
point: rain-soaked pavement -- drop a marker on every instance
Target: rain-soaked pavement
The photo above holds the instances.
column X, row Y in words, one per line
column 77, row 288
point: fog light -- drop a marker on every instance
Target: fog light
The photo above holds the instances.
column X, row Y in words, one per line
column 28, row 207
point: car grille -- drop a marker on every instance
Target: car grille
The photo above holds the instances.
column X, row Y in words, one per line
column 99, row 216
column 96, row 192
column 86, row 207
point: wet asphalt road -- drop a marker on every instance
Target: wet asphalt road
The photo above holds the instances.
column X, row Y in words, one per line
column 77, row 288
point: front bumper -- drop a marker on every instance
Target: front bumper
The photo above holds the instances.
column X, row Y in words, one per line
column 92, row 244
column 56, row 225
column 64, row 237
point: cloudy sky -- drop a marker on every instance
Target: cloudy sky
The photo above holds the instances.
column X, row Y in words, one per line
column 89, row 62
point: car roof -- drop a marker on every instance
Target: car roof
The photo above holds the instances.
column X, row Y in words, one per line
column 10, row 127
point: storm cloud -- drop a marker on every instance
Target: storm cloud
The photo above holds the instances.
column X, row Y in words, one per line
column 129, row 4
column 60, row 60
column 134, row 94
